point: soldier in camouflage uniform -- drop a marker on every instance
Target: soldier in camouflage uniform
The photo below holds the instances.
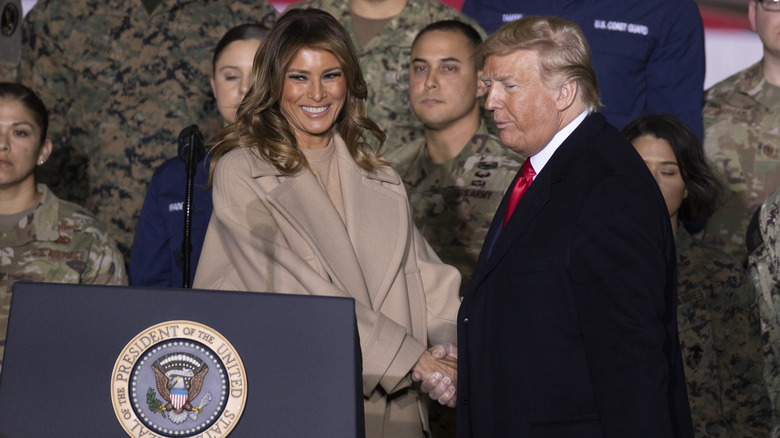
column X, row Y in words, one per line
column 41, row 237
column 742, row 137
column 453, row 203
column 717, row 316
column 56, row 242
column 457, row 173
column 718, row 324
column 122, row 78
column 384, row 57
column 763, row 240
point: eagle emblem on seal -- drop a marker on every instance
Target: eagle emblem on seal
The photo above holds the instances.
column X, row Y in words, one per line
column 179, row 378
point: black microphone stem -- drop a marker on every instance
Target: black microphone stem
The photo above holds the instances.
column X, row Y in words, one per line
column 191, row 151
column 186, row 244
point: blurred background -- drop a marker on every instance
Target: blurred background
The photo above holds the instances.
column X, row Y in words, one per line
column 730, row 45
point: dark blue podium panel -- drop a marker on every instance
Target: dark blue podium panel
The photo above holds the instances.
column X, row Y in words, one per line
column 66, row 343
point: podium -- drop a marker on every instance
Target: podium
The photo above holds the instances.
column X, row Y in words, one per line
column 79, row 358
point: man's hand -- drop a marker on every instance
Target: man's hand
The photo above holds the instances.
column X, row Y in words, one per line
column 437, row 369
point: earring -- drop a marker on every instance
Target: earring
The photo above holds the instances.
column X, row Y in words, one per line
column 41, row 162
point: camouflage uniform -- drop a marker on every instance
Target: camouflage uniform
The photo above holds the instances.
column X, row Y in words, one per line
column 742, row 140
column 453, row 203
column 120, row 84
column 385, row 61
column 57, row 242
column 720, row 340
column 7, row 71
column 764, row 266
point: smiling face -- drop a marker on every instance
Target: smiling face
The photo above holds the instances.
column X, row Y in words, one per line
column 313, row 96
column 20, row 145
column 233, row 76
column 660, row 159
column 523, row 107
column 443, row 81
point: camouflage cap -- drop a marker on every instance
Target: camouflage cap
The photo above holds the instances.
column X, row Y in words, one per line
column 10, row 30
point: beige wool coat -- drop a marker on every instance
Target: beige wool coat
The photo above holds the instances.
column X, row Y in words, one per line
column 276, row 233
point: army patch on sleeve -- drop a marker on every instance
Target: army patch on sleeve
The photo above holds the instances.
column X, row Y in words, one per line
column 178, row 379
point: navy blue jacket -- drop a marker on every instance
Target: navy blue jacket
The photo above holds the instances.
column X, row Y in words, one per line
column 156, row 258
column 569, row 325
column 648, row 55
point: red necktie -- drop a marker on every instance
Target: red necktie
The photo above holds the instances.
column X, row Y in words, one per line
column 521, row 185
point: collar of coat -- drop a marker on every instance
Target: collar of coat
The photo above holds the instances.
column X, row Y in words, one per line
column 364, row 254
column 260, row 168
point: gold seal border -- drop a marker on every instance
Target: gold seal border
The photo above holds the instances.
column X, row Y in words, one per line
column 172, row 330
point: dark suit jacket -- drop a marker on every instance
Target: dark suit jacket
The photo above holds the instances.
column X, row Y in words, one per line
column 568, row 328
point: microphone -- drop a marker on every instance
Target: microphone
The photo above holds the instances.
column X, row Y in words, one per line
column 192, row 149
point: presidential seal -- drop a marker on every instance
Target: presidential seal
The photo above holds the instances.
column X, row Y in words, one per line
column 178, row 379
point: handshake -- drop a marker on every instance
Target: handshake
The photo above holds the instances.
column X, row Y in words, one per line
column 437, row 369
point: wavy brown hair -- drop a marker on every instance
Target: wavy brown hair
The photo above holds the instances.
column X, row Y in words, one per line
column 261, row 125
column 700, row 179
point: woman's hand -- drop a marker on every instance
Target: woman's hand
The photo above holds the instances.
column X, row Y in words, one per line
column 437, row 369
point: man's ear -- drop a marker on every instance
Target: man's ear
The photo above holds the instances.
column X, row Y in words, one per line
column 481, row 87
column 752, row 15
column 566, row 95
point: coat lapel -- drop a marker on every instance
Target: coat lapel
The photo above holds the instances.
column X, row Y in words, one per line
column 306, row 206
column 532, row 202
column 377, row 222
column 537, row 196
column 362, row 256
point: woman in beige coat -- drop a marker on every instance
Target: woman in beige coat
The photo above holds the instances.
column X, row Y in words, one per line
column 302, row 205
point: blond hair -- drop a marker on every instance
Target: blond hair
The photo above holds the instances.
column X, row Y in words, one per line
column 564, row 54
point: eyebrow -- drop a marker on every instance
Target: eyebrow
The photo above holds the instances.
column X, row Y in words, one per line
column 500, row 78
column 447, row 59
column 664, row 163
column 300, row 70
